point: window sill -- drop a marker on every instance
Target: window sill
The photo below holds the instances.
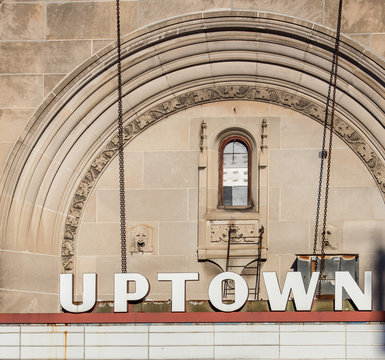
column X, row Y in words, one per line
column 238, row 213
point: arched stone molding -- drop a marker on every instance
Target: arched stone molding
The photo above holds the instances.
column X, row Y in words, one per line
column 168, row 67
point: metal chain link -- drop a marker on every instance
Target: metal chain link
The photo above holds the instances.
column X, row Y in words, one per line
column 122, row 194
column 332, row 83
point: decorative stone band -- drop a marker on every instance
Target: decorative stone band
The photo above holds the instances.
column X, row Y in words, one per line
column 199, row 97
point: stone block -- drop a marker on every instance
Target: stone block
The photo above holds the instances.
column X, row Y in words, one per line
column 304, row 9
column 178, row 238
column 12, row 123
column 298, row 203
column 100, row 44
column 153, row 10
column 171, row 169
column 300, row 131
column 43, row 57
column 274, row 203
column 158, row 135
column 289, row 237
column 96, row 20
column 22, row 21
column 99, row 239
column 348, row 170
column 358, row 16
column 144, row 205
column 21, row 91
column 12, row 301
column 50, row 82
column 363, row 39
column 5, row 149
column 294, row 167
column 39, row 273
column 133, row 177
column 355, row 203
column 364, row 237
column 378, row 44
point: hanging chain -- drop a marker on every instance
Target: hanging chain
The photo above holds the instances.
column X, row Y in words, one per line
column 121, row 150
column 332, row 83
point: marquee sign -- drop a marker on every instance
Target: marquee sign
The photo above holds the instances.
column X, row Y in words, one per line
column 303, row 299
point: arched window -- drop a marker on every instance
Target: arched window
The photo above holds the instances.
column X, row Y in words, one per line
column 235, row 172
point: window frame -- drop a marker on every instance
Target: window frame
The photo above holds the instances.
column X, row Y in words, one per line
column 247, row 143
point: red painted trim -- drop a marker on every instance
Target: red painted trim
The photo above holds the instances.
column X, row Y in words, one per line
column 198, row 317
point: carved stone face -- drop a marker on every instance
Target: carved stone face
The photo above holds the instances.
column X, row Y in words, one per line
column 141, row 238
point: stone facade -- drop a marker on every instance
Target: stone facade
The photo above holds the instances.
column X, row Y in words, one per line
column 59, row 205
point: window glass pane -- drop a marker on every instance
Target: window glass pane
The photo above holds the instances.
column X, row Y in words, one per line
column 235, row 174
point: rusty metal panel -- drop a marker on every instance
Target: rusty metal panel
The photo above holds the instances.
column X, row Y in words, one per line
column 306, row 265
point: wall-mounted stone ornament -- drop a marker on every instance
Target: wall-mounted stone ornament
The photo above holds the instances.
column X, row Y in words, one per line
column 141, row 237
column 242, row 233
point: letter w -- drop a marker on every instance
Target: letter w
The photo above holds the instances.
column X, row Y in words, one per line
column 294, row 282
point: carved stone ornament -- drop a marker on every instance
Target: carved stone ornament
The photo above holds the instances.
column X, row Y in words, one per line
column 141, row 239
column 199, row 97
column 242, row 233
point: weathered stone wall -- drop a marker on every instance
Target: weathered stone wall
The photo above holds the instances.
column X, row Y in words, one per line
column 42, row 42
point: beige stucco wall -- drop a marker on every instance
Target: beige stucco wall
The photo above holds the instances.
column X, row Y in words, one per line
column 42, row 42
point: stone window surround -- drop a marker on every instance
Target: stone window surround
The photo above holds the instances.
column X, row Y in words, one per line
column 358, row 133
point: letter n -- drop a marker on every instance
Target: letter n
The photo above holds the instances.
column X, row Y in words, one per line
column 362, row 300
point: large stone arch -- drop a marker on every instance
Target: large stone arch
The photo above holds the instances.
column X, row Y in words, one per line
column 168, row 67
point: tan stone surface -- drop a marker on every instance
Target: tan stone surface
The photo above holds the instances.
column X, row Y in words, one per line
column 355, row 203
column 22, row 21
column 99, row 239
column 378, row 44
column 358, row 16
column 298, row 203
column 12, row 123
column 100, row 44
column 39, row 273
column 363, row 39
column 304, row 9
column 153, row 10
column 51, row 81
column 289, row 237
column 177, row 238
column 88, row 20
column 170, row 169
column 28, row 302
column 43, row 57
column 20, row 91
column 156, row 205
column 158, row 135
column 5, row 148
column 133, row 177
column 299, row 167
column 363, row 237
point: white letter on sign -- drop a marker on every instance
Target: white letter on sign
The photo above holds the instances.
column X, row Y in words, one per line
column 363, row 301
column 121, row 287
column 178, row 288
column 241, row 291
column 67, row 289
column 294, row 282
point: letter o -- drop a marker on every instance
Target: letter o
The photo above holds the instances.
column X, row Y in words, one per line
column 241, row 292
